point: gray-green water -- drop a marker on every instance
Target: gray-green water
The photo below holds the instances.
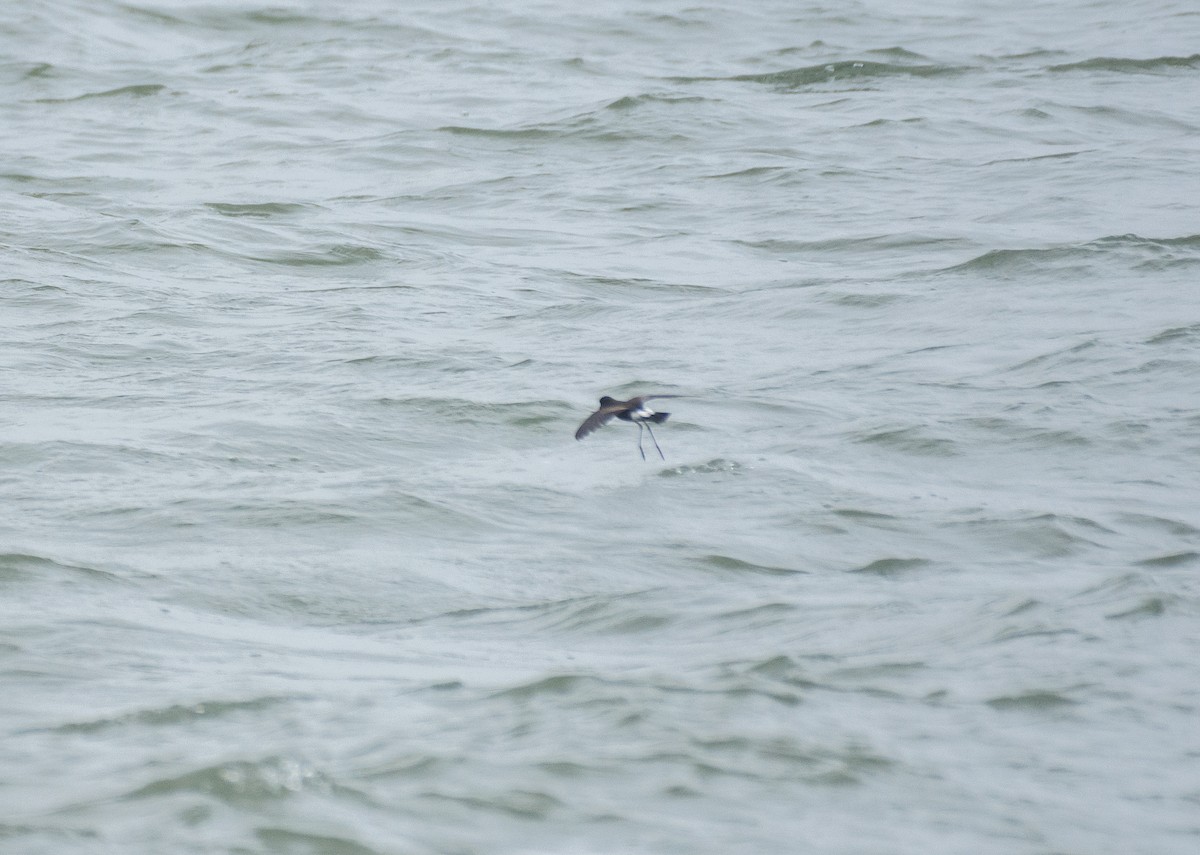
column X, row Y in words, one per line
column 302, row 303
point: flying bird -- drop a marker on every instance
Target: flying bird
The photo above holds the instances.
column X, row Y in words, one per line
column 633, row 410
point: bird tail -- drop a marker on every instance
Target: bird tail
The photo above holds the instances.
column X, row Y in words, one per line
column 658, row 418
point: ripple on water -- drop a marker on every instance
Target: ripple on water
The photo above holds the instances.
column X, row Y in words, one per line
column 258, row 210
column 175, row 714
column 602, row 615
column 1148, row 607
column 139, row 90
column 241, row 782
column 1176, row 335
column 782, row 668
column 916, row 440
column 1032, row 701
column 1173, row 559
column 1040, row 536
column 893, row 566
column 846, row 71
column 1120, row 65
column 737, row 566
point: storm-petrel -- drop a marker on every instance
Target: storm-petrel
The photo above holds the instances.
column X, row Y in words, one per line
column 633, row 410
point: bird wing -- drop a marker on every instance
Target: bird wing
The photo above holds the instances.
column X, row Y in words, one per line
column 597, row 420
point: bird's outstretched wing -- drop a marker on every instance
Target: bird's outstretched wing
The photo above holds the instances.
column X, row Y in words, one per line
column 598, row 419
column 608, row 412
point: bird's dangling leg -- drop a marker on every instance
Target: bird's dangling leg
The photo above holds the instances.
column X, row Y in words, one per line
column 660, row 454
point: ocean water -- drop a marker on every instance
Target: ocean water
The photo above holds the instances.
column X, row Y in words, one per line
column 302, row 303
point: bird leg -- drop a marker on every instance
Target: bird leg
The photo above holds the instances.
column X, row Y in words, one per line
column 660, row 454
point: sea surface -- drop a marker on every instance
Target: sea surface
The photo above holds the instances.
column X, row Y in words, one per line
column 300, row 306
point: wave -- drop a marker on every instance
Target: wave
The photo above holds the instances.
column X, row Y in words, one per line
column 1039, row 536
column 241, row 781
column 833, row 72
column 631, row 101
column 337, row 255
column 1147, row 607
column 727, row 564
column 1175, row 559
column 913, row 439
column 893, row 566
column 263, row 210
column 137, row 91
column 17, row 564
column 607, row 123
column 1142, row 252
column 1033, row 701
column 1176, row 334
column 1133, row 66
column 175, row 714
